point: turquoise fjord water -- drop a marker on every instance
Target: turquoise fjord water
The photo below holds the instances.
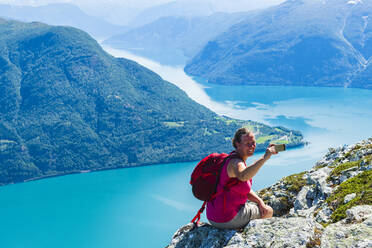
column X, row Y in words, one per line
column 144, row 206
column 134, row 207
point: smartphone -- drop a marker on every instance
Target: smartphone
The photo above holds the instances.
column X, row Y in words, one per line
column 280, row 147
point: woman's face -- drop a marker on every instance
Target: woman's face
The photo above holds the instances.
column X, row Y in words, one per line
column 247, row 145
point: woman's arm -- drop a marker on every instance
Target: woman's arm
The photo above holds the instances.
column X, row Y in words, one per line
column 264, row 209
column 244, row 173
column 252, row 196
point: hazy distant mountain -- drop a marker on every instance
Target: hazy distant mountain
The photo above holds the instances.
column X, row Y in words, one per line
column 192, row 8
column 312, row 42
column 174, row 40
column 189, row 8
column 68, row 106
column 62, row 14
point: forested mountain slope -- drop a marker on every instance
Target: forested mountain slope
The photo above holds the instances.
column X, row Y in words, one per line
column 68, row 106
column 300, row 42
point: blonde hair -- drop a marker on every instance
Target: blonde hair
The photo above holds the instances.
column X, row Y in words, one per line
column 238, row 135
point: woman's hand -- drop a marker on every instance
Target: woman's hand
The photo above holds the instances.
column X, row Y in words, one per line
column 269, row 151
column 264, row 209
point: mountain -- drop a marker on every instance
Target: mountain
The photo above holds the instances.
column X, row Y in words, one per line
column 193, row 8
column 363, row 78
column 328, row 206
column 311, row 43
column 190, row 8
column 174, row 40
column 67, row 106
column 62, row 14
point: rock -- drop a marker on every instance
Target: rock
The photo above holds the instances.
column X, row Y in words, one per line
column 348, row 174
column 368, row 151
column 321, row 188
column 277, row 232
column 280, row 205
column 349, row 197
column 301, row 201
column 280, row 194
column 312, row 193
column 308, row 213
column 364, row 164
column 352, row 235
column 358, row 213
column 323, row 215
column 342, row 179
column 203, row 236
column 324, row 190
column 322, row 163
column 318, row 175
column 273, row 232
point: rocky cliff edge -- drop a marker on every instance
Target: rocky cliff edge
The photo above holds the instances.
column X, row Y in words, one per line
column 328, row 206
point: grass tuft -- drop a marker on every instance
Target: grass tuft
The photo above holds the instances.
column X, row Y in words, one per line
column 361, row 185
column 295, row 182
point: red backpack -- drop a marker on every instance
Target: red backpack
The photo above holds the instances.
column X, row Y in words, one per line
column 205, row 178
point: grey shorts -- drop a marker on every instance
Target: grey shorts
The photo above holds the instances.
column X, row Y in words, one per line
column 249, row 212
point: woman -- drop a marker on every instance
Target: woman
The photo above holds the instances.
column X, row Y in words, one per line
column 231, row 208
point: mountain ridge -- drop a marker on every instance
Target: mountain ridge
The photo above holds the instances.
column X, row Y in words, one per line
column 173, row 39
column 68, row 106
column 295, row 43
column 65, row 14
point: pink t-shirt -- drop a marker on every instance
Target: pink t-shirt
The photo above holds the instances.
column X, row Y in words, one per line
column 227, row 204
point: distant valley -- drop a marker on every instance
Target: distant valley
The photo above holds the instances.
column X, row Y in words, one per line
column 174, row 39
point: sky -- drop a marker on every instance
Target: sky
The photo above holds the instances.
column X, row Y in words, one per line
column 145, row 3
column 121, row 12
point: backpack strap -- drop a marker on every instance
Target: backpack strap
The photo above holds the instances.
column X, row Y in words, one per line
column 218, row 177
column 232, row 181
column 196, row 219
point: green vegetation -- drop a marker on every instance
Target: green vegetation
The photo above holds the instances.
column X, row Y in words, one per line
column 68, row 106
column 280, row 141
column 367, row 159
column 287, row 205
column 361, row 185
column 341, row 167
column 228, row 121
column 174, row 124
column 280, row 130
column 295, row 182
column 264, row 139
column 292, row 185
